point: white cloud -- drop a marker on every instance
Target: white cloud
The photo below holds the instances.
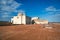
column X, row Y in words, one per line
column 8, row 7
column 15, row 4
column 12, row 7
column 52, row 13
column 52, row 9
column 6, row 2
column 4, row 16
column 3, row 2
column 10, row 1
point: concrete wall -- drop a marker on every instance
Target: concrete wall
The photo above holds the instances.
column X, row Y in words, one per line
column 28, row 20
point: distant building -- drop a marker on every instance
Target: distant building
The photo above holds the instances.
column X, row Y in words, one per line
column 21, row 18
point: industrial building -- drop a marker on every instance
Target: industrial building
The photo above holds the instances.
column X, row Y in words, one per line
column 21, row 18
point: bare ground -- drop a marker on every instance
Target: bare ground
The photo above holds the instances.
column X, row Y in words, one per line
column 30, row 32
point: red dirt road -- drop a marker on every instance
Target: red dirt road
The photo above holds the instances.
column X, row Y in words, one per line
column 29, row 32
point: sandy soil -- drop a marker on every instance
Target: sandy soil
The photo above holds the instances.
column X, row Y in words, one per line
column 30, row 32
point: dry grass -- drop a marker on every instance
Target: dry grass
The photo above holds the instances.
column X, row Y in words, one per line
column 30, row 32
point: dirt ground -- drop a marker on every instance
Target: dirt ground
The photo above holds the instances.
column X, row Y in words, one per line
column 30, row 32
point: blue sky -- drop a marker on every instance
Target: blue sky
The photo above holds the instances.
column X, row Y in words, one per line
column 45, row 9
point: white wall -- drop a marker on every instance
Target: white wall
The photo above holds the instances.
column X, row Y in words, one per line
column 22, row 19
